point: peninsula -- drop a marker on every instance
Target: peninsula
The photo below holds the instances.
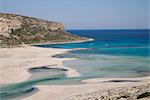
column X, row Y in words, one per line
column 17, row 30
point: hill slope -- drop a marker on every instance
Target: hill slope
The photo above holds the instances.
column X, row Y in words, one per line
column 16, row 30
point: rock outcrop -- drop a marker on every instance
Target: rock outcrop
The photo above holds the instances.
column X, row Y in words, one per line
column 10, row 22
column 141, row 92
column 17, row 30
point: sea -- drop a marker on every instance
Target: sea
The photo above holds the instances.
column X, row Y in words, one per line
column 113, row 53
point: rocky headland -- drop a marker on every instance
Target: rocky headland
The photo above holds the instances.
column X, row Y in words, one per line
column 17, row 30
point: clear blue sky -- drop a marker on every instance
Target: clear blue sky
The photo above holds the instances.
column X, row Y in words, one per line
column 84, row 14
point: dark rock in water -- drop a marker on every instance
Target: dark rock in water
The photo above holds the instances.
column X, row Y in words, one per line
column 45, row 68
column 61, row 69
column 122, row 81
column 49, row 79
column 59, row 56
column 144, row 95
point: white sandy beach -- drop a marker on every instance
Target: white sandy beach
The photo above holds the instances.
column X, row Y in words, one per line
column 15, row 62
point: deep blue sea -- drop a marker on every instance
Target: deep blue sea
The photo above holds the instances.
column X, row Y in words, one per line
column 115, row 42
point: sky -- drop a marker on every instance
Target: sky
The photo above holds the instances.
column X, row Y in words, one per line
column 85, row 14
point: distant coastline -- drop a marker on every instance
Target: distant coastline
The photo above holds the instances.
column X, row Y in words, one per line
column 80, row 41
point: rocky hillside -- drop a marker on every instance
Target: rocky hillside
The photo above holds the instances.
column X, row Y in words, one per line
column 16, row 30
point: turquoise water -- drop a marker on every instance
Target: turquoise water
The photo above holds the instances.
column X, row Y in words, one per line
column 114, row 53
column 26, row 88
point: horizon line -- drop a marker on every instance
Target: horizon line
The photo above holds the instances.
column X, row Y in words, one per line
column 110, row 29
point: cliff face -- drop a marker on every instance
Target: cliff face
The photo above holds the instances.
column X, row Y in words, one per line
column 16, row 30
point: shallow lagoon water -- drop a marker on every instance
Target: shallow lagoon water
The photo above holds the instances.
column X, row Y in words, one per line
column 39, row 76
column 110, row 66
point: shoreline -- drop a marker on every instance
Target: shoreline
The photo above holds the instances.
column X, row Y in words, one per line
column 15, row 62
column 18, row 60
column 80, row 41
column 73, row 92
column 25, row 74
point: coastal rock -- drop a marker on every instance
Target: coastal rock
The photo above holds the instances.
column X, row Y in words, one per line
column 141, row 92
column 11, row 22
column 18, row 30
